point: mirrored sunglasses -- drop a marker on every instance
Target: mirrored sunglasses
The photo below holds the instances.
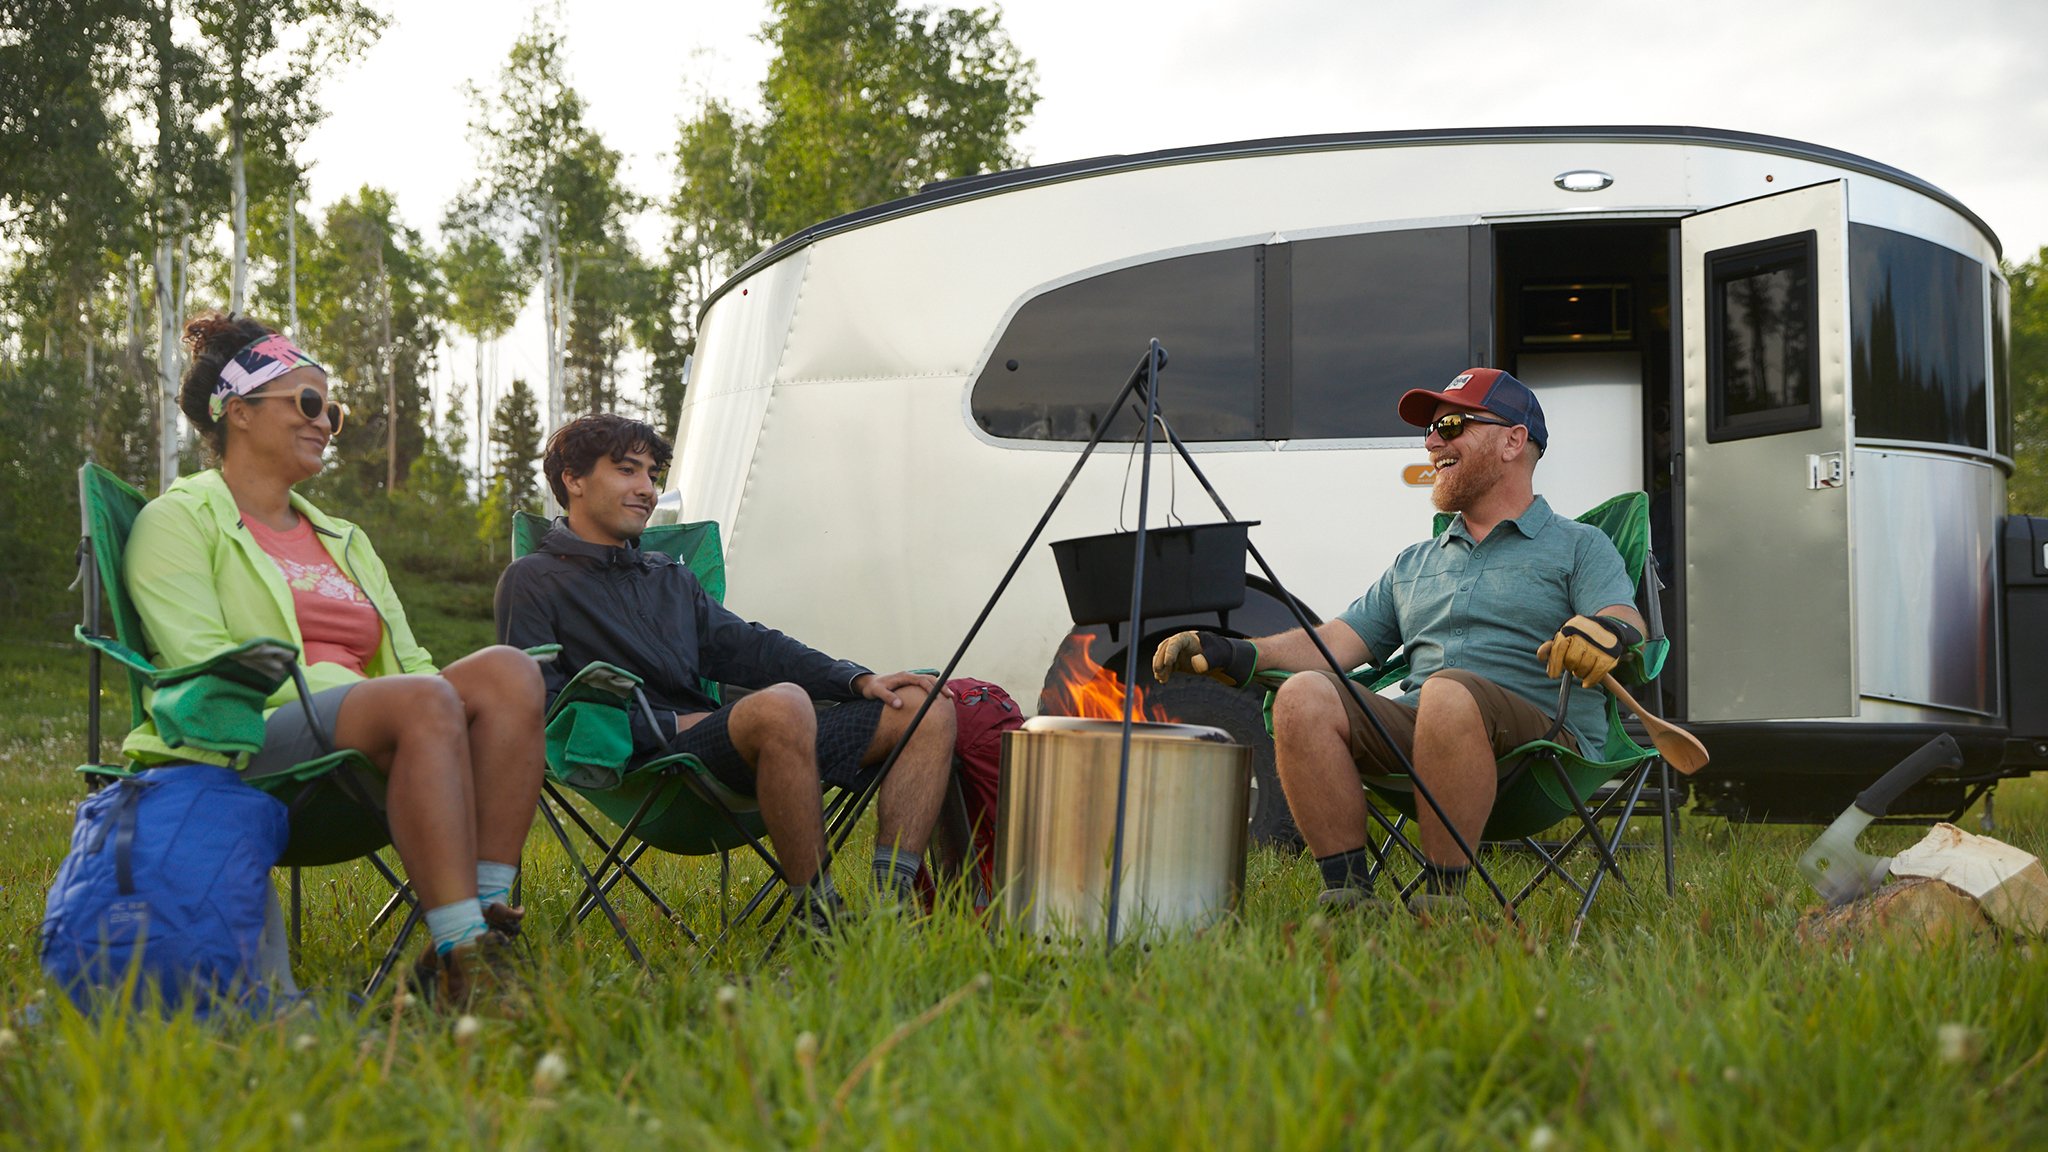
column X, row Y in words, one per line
column 1452, row 426
column 312, row 405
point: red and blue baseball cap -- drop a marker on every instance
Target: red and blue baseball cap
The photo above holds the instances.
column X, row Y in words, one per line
column 1480, row 390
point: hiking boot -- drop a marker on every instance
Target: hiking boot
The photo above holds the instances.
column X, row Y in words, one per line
column 901, row 902
column 485, row 968
column 1348, row 901
column 504, row 919
column 1440, row 907
column 821, row 917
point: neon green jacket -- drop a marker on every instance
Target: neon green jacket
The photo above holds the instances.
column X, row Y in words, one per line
column 201, row 584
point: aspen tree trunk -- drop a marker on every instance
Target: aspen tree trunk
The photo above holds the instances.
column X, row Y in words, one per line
column 92, row 405
column 166, row 317
column 179, row 356
column 166, row 367
column 390, row 385
column 291, row 261
column 238, row 290
column 551, row 303
column 134, row 349
column 134, row 305
column 483, row 434
column 568, row 313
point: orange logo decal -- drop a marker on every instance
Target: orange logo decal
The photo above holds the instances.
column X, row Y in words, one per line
column 1418, row 475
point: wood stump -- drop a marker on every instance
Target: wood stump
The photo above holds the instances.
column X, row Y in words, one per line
column 1915, row 911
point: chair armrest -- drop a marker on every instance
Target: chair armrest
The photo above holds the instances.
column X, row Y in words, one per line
column 128, row 657
column 610, row 679
column 261, row 665
column 589, row 727
column 1644, row 662
column 215, row 704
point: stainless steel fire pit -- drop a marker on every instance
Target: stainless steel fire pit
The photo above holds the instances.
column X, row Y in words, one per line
column 1184, row 826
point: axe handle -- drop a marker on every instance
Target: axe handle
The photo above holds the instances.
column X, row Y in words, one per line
column 1940, row 752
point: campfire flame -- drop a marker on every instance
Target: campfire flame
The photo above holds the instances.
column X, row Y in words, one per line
column 1081, row 686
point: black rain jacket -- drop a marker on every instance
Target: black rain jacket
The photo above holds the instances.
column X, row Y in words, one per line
column 647, row 613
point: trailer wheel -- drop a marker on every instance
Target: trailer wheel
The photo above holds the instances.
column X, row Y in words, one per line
column 1200, row 700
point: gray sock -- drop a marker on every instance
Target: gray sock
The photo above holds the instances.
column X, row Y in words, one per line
column 896, row 872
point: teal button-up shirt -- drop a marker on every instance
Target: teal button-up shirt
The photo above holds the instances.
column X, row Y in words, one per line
column 1485, row 606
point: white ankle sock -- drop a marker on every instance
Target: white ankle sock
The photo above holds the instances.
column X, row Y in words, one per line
column 455, row 923
column 494, row 882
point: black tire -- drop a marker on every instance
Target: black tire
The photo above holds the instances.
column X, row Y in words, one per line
column 1200, row 700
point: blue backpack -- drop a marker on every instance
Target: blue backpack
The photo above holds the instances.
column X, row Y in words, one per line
column 168, row 875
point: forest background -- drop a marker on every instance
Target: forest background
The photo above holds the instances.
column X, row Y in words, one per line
column 154, row 165
column 154, row 161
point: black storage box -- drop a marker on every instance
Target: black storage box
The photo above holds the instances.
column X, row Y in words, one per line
column 2025, row 565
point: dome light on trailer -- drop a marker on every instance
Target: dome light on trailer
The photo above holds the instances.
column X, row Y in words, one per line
column 1583, row 180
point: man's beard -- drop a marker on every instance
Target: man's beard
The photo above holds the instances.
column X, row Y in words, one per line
column 1459, row 488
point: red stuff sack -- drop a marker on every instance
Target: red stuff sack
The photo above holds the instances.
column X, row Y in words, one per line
column 982, row 712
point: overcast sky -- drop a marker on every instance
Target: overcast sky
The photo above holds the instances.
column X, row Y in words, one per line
column 1953, row 91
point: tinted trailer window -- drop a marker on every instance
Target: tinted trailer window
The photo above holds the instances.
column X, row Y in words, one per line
column 1916, row 316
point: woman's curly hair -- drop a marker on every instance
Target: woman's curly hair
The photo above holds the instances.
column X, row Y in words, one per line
column 213, row 338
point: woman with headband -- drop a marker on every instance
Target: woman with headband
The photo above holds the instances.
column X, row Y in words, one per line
column 232, row 553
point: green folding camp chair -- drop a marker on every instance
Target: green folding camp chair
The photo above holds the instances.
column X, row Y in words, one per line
column 336, row 801
column 670, row 803
column 1545, row 783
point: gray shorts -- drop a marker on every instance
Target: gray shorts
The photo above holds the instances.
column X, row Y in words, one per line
column 289, row 740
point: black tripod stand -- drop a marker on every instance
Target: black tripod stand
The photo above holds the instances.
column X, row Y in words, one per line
column 1142, row 390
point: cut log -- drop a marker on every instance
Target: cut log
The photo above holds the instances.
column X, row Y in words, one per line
column 2008, row 882
column 1916, row 911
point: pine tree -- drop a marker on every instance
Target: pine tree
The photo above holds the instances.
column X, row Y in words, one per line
column 515, row 429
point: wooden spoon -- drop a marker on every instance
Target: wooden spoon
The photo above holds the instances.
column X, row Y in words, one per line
column 1679, row 748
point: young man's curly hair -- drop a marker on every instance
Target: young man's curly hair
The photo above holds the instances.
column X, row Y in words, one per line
column 575, row 447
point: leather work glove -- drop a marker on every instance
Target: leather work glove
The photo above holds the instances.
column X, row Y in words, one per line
column 1588, row 647
column 1217, row 657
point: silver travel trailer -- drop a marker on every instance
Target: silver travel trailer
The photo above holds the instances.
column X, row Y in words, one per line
column 1800, row 354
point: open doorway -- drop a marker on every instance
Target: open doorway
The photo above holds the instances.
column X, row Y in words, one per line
column 1584, row 316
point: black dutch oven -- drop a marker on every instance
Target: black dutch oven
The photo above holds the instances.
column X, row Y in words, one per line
column 1189, row 568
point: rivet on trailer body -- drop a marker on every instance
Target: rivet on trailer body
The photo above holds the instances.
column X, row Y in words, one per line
column 1583, row 180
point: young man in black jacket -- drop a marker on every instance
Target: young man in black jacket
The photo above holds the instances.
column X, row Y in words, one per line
column 591, row 589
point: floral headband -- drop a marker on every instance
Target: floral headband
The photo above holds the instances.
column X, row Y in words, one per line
column 257, row 364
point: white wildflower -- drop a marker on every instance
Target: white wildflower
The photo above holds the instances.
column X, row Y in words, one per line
column 1959, row 1044
column 549, row 1072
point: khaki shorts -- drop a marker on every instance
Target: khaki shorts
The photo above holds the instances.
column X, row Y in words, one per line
column 1510, row 722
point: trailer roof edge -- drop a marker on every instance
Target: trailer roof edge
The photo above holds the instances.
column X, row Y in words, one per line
column 964, row 188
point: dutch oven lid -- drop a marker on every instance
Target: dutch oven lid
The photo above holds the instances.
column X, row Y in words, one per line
column 1140, row 729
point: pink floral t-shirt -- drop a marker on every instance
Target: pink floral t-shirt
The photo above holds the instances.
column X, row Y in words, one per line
column 337, row 623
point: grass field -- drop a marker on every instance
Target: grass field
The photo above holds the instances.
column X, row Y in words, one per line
column 1687, row 1022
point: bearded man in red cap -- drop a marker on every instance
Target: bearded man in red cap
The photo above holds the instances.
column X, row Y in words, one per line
column 1491, row 612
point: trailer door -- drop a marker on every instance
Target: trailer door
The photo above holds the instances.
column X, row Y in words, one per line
column 1768, row 598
